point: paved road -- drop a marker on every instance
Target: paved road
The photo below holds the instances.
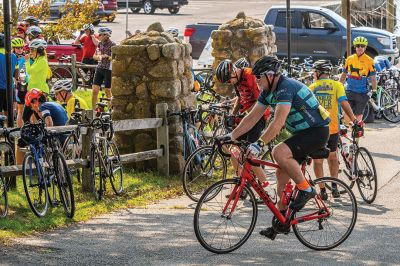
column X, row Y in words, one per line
column 162, row 234
column 217, row 11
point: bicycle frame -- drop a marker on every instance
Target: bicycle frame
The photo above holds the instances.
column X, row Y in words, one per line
column 349, row 165
column 248, row 177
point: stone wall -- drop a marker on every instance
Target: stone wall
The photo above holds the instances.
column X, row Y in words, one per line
column 149, row 68
column 241, row 37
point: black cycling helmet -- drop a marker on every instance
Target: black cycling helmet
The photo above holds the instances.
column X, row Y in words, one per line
column 224, row 71
column 265, row 64
column 242, row 63
column 31, row 133
column 2, row 40
column 32, row 20
column 323, row 67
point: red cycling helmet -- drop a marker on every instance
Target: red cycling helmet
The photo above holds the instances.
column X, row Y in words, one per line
column 21, row 27
column 33, row 94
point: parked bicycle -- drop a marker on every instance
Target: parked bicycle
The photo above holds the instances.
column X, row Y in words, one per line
column 224, row 219
column 45, row 173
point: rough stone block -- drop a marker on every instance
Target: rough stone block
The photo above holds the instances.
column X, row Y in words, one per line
column 169, row 89
column 141, row 109
column 153, row 51
column 141, row 91
column 120, row 87
column 131, row 50
column 164, row 69
column 171, row 50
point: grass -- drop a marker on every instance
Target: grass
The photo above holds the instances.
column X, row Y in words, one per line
column 140, row 189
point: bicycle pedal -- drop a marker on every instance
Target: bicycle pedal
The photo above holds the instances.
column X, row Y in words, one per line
column 269, row 233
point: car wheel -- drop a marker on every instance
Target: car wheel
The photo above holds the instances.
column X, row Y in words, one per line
column 135, row 10
column 173, row 10
column 148, row 7
column 110, row 18
column 96, row 22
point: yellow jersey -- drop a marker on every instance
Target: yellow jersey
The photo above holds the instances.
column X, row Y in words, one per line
column 329, row 94
column 75, row 103
column 358, row 70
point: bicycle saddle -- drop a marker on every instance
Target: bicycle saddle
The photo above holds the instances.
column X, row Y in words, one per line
column 322, row 153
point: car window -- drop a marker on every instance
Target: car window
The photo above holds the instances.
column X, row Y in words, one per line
column 311, row 20
column 58, row 1
column 281, row 19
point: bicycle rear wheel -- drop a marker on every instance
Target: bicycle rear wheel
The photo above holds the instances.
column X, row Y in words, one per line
column 7, row 158
column 202, row 169
column 367, row 180
column 97, row 175
column 3, row 198
column 64, row 183
column 116, row 173
column 327, row 232
column 219, row 230
column 390, row 104
column 35, row 186
column 72, row 150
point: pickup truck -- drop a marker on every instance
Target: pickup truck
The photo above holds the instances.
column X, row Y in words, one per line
column 56, row 51
column 149, row 6
column 315, row 31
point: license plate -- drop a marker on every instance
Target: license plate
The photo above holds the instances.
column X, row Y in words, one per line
column 105, row 2
column 175, row 3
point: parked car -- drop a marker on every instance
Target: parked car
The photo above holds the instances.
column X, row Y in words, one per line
column 317, row 32
column 56, row 51
column 149, row 6
column 57, row 6
column 321, row 33
column 110, row 9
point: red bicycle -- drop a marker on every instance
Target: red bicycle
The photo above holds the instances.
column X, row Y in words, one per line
column 226, row 213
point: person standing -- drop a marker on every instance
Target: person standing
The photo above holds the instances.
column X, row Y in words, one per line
column 103, row 70
column 358, row 68
column 90, row 42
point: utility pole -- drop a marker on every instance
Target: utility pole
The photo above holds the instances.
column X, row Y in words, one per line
column 346, row 15
column 9, row 90
column 390, row 15
column 288, row 28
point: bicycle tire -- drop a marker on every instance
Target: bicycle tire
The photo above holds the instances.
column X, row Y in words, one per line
column 3, row 198
column 332, row 204
column 366, row 111
column 7, row 158
column 344, row 172
column 393, row 110
column 72, row 150
column 116, row 170
column 96, row 174
column 64, row 184
column 39, row 203
column 205, row 207
column 195, row 161
column 372, row 176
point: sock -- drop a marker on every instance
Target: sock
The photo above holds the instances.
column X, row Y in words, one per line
column 304, row 186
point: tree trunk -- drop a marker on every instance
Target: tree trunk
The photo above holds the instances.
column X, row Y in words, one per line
column 14, row 15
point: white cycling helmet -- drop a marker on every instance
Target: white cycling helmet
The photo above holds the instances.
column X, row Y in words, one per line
column 88, row 27
column 106, row 31
column 62, row 85
column 173, row 31
column 38, row 44
column 35, row 31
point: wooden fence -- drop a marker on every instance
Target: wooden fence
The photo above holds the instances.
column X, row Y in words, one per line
column 159, row 123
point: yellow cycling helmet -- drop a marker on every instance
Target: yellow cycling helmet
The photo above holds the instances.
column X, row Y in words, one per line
column 17, row 42
column 360, row 40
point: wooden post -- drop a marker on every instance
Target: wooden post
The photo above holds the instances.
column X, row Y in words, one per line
column 87, row 181
column 73, row 71
column 390, row 15
column 348, row 28
column 163, row 139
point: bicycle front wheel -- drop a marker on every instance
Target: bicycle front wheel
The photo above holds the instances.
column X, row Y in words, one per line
column 116, row 173
column 97, row 175
column 3, row 198
column 390, row 104
column 332, row 230
column 367, row 180
column 218, row 227
column 202, row 169
column 35, row 186
column 64, row 183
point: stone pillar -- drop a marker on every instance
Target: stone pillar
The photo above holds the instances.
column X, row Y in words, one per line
column 150, row 68
column 241, row 37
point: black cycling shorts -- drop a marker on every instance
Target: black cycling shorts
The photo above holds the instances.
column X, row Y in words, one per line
column 21, row 96
column 357, row 101
column 254, row 134
column 305, row 142
column 102, row 75
column 333, row 142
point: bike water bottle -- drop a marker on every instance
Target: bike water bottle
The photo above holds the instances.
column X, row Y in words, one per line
column 254, row 150
column 287, row 194
column 346, row 149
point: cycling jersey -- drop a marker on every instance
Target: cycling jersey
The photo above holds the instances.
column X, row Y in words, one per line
column 75, row 103
column 305, row 110
column 89, row 48
column 55, row 111
column 14, row 65
column 359, row 69
column 38, row 71
column 330, row 94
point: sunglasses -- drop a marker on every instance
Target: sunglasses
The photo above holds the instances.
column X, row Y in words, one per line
column 16, row 48
column 360, row 45
column 265, row 73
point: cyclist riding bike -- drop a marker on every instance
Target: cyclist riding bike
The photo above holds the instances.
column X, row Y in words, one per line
column 331, row 95
column 297, row 108
column 62, row 90
column 247, row 93
column 358, row 68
